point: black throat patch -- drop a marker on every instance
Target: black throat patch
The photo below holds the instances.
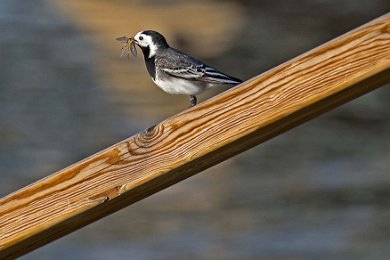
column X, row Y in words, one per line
column 150, row 65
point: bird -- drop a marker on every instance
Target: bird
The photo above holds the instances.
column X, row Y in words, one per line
column 176, row 72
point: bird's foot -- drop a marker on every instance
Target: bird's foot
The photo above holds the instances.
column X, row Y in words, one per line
column 193, row 100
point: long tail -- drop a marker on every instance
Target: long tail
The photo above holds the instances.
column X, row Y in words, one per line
column 213, row 75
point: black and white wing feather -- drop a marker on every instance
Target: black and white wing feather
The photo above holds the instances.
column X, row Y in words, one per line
column 180, row 65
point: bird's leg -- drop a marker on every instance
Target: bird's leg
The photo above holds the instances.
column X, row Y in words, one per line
column 194, row 100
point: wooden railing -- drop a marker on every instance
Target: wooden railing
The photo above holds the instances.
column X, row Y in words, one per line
column 196, row 139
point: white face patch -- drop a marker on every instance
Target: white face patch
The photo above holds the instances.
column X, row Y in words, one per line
column 146, row 41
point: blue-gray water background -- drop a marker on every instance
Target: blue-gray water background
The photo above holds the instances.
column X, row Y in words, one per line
column 320, row 191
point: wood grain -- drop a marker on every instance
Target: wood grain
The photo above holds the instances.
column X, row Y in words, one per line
column 196, row 139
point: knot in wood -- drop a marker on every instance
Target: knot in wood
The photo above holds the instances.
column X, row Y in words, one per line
column 145, row 139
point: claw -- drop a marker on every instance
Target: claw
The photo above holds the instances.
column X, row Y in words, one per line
column 193, row 100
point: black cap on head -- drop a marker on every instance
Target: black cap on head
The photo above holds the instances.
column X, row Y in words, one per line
column 157, row 37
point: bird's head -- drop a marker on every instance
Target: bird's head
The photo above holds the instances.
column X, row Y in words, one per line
column 150, row 42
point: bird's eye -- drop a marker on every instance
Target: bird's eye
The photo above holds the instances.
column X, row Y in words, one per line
column 140, row 38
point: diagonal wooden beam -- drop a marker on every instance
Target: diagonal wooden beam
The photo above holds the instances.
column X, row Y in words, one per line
column 196, row 139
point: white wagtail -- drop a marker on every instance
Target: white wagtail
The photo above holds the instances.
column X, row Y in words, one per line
column 175, row 72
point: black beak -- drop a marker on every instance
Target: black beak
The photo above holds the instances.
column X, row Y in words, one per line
column 134, row 40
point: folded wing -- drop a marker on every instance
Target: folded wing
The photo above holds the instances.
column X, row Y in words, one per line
column 178, row 64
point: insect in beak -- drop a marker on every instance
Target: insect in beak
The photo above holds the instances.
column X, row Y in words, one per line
column 129, row 46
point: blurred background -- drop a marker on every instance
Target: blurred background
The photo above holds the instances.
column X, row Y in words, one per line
column 320, row 191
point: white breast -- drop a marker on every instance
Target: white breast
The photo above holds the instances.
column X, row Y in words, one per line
column 179, row 86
